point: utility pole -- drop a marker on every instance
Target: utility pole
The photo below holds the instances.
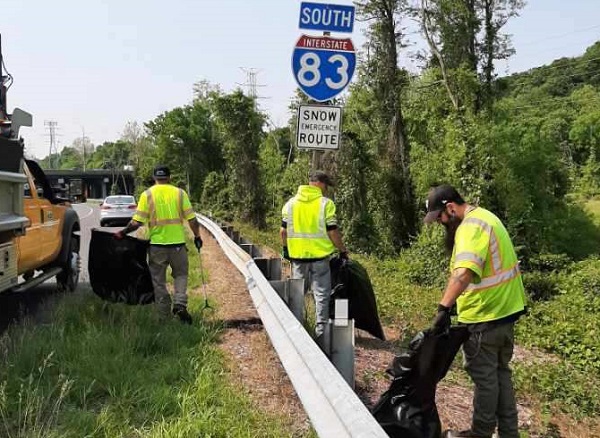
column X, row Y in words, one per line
column 83, row 145
column 51, row 127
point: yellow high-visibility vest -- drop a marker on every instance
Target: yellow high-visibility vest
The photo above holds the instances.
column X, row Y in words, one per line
column 164, row 208
column 307, row 216
column 483, row 245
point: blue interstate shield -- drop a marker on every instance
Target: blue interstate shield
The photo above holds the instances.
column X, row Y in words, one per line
column 323, row 66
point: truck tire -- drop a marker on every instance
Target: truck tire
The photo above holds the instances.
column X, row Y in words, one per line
column 68, row 279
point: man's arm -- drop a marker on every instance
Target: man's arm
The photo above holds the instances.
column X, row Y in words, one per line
column 195, row 227
column 283, row 235
column 457, row 283
column 336, row 238
column 131, row 226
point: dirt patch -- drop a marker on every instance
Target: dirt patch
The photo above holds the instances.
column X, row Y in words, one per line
column 252, row 361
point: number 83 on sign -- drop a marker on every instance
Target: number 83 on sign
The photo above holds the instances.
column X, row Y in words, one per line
column 323, row 66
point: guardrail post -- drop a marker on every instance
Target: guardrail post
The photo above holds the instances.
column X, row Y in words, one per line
column 296, row 298
column 271, row 268
column 291, row 292
column 338, row 341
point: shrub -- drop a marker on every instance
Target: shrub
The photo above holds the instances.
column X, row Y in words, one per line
column 540, row 286
column 425, row 263
column 586, row 277
column 548, row 262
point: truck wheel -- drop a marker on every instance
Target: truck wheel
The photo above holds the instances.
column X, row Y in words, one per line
column 69, row 277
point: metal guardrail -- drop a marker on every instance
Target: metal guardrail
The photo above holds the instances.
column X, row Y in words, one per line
column 332, row 406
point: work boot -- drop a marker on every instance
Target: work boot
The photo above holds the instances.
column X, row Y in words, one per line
column 182, row 313
column 465, row 434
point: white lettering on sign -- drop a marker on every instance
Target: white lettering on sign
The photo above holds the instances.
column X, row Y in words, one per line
column 326, row 17
column 329, row 44
column 319, row 126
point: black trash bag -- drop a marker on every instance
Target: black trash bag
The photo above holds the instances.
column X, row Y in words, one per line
column 407, row 409
column 350, row 280
column 118, row 269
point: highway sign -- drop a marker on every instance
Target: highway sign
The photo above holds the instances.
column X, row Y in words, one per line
column 323, row 66
column 319, row 127
column 327, row 18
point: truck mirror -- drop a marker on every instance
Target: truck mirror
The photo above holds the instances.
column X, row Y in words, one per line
column 20, row 118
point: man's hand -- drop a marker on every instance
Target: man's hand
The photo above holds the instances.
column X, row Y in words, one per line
column 285, row 253
column 442, row 321
column 344, row 255
column 119, row 235
column 198, row 243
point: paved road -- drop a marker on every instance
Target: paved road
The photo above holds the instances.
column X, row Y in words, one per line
column 89, row 217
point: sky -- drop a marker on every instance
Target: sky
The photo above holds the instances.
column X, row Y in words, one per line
column 93, row 65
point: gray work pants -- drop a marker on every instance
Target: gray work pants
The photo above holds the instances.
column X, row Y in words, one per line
column 317, row 277
column 487, row 353
column 160, row 257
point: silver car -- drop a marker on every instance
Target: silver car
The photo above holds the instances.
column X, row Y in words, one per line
column 117, row 210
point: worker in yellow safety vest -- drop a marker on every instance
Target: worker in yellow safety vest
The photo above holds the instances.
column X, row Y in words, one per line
column 486, row 285
column 165, row 208
column 310, row 235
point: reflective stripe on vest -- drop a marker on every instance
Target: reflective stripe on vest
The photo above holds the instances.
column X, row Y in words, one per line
column 494, row 248
column 495, row 280
column 142, row 214
column 320, row 234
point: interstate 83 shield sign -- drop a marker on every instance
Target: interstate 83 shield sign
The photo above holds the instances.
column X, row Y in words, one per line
column 323, row 66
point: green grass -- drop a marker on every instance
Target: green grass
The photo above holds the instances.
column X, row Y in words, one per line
column 109, row 370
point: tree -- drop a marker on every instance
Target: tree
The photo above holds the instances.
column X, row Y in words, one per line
column 386, row 81
column 465, row 40
column 240, row 126
column 85, row 148
column 143, row 151
column 186, row 141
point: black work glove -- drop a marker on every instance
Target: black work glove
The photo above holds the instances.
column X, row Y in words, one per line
column 442, row 321
column 285, row 253
column 198, row 243
column 344, row 255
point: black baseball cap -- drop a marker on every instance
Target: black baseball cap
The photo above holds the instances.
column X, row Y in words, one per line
column 161, row 171
column 438, row 198
column 320, row 176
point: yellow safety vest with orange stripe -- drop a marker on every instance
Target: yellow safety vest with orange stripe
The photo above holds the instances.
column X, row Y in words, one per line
column 164, row 208
column 483, row 245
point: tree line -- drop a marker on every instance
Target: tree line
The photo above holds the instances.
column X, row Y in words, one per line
column 525, row 146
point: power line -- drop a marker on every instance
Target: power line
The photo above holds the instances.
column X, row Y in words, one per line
column 552, row 101
column 559, row 36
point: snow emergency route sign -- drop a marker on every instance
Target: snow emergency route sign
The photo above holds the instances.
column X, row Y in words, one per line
column 319, row 127
column 323, row 66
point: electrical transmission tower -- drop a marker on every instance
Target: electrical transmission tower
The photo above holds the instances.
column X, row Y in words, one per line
column 252, row 84
column 53, row 150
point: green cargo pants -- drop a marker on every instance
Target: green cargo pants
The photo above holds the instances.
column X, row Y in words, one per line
column 487, row 353
column 160, row 257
